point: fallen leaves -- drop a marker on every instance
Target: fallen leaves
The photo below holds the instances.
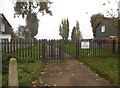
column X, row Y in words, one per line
column 45, row 85
column 42, row 73
column 50, row 74
column 33, row 82
column 96, row 74
column 72, row 74
column 41, row 82
column 34, row 85
column 81, row 63
column 54, row 85
column 68, row 68
column 60, row 69
column 60, row 72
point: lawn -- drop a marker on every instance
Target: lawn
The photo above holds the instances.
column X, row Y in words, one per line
column 29, row 72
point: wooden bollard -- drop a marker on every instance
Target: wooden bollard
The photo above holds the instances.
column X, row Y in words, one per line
column 13, row 73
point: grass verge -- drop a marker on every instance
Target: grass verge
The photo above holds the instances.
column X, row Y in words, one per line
column 106, row 67
column 27, row 73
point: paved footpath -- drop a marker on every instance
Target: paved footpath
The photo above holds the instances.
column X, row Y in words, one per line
column 69, row 73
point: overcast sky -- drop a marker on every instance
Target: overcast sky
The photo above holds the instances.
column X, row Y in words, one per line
column 74, row 10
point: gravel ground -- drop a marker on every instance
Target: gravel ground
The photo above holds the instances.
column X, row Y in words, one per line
column 69, row 73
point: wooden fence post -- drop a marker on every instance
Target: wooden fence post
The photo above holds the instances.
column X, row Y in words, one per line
column 77, row 49
column 60, row 49
column 43, row 50
column 52, row 42
column 113, row 45
column 13, row 73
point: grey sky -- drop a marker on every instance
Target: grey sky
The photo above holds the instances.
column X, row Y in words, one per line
column 74, row 10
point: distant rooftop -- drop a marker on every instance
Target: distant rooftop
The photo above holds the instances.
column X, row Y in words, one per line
column 5, row 19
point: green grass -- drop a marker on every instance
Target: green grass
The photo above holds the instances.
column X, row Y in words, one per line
column 27, row 73
column 105, row 67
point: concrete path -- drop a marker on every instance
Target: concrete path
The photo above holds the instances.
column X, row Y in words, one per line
column 69, row 73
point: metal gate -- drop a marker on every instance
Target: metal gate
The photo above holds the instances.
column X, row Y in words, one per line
column 57, row 50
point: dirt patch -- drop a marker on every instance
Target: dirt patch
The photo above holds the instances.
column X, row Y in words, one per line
column 69, row 73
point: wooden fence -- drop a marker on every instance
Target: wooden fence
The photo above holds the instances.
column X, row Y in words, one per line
column 23, row 48
column 100, row 47
column 58, row 49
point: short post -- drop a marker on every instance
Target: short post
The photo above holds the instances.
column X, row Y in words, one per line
column 13, row 73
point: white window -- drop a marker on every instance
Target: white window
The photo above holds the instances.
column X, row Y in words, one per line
column 103, row 28
column 2, row 27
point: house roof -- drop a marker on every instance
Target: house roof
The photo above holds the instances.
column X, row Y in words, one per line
column 5, row 19
column 108, row 20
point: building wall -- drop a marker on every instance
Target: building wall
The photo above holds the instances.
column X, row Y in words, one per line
column 109, row 31
column 8, row 29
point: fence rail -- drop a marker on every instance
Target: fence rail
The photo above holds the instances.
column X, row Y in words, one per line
column 56, row 49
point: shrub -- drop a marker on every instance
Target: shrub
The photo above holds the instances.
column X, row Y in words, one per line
column 5, row 61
